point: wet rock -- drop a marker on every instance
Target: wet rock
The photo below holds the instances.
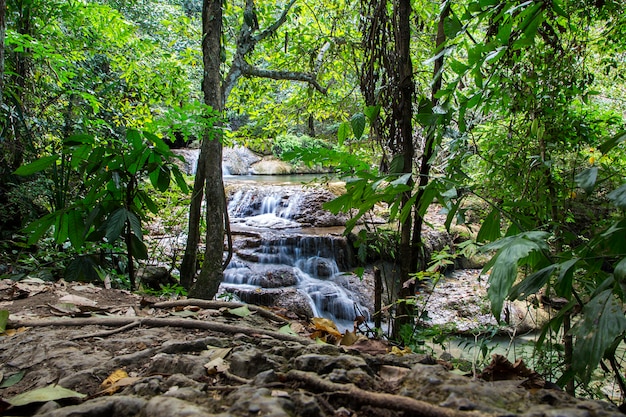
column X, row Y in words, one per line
column 237, row 160
column 271, row 166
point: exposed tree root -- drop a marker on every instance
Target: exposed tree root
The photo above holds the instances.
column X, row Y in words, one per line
column 105, row 333
column 220, row 304
column 160, row 322
column 411, row 406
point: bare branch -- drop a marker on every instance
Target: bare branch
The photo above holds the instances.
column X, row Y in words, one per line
column 250, row 71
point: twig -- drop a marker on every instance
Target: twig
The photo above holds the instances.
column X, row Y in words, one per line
column 161, row 322
column 105, row 333
column 219, row 304
column 389, row 401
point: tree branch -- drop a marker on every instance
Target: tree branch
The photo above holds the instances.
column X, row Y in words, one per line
column 250, row 71
column 271, row 30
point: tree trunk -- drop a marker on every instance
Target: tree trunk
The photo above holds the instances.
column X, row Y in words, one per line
column 403, row 115
column 211, row 273
column 3, row 26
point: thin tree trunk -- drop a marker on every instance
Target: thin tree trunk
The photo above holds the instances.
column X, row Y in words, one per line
column 211, row 273
column 3, row 26
column 403, row 115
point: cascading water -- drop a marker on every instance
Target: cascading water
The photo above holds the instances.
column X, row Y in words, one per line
column 279, row 260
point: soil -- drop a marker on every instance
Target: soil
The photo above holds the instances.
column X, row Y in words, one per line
column 208, row 358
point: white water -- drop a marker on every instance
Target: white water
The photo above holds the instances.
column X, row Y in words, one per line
column 312, row 262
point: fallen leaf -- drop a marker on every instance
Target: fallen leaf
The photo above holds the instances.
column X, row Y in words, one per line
column 217, row 366
column 279, row 393
column 214, row 352
column 327, row 326
column 12, row 379
column 77, row 300
column 286, row 329
column 349, row 338
column 184, row 313
column 370, row 346
column 121, row 383
column 64, row 308
column 242, row 311
column 4, row 319
column 400, row 352
column 49, row 393
column 113, row 378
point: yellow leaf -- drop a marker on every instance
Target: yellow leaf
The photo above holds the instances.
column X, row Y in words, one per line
column 327, row 326
column 217, row 366
column 348, row 338
column 117, row 375
column 592, row 160
column 400, row 352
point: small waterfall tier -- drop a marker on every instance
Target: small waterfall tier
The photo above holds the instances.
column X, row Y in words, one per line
column 289, row 253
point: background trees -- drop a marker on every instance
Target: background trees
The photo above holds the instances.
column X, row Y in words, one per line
column 510, row 109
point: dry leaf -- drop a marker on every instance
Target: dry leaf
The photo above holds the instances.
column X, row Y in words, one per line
column 217, row 366
column 400, row 352
column 349, row 338
column 39, row 395
column 370, row 346
column 279, row 393
column 77, row 300
column 326, row 325
column 113, row 378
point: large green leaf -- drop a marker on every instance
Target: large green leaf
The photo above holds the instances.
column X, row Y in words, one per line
column 603, row 321
column 76, row 228
column 612, row 142
column 587, row 179
column 160, row 178
column 358, row 125
column 618, row 197
column 49, row 393
column 138, row 247
column 37, row 166
column 490, row 230
column 115, row 224
column 135, row 224
column 38, row 228
column 504, row 269
column 343, row 132
column 532, row 283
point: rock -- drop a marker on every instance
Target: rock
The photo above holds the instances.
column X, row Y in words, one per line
column 237, row 160
column 118, row 406
column 271, row 166
column 163, row 406
column 154, row 277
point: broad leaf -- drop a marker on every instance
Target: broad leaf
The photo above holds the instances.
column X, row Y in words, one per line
column 36, row 166
column 620, row 270
column 242, row 311
column 603, row 322
column 587, row 179
column 372, row 112
column 490, row 230
column 532, row 283
column 135, row 224
column 613, row 142
column 180, row 180
column 38, row 228
column 79, row 139
column 76, row 228
column 12, row 379
column 564, row 282
column 49, row 393
column 358, row 125
column 343, row 132
column 134, row 138
column 82, row 268
column 504, row 269
column 115, row 224
column 138, row 248
column 618, row 197
column 4, row 319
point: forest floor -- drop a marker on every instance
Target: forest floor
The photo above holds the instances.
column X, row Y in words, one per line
column 74, row 349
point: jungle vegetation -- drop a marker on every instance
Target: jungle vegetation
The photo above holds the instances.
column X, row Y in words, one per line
column 516, row 105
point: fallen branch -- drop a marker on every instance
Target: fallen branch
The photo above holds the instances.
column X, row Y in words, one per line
column 219, row 304
column 377, row 399
column 105, row 333
column 160, row 322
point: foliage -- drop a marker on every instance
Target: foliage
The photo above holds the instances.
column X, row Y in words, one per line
column 98, row 194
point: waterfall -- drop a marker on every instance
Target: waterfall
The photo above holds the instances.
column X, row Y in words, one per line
column 277, row 263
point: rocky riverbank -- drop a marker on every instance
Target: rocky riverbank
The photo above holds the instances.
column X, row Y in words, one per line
column 203, row 358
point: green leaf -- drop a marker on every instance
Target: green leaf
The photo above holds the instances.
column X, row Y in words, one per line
column 160, row 178
column 564, row 282
column 39, row 395
column 135, row 224
column 180, row 180
column 134, row 138
column 358, row 125
column 490, row 230
column 138, row 248
column 4, row 319
column 343, row 132
column 618, row 197
column 115, row 224
column 286, row 329
column 532, row 283
column 587, row 179
column 79, row 139
column 83, row 269
column 452, row 26
column 603, row 321
column 242, row 311
column 158, row 143
column 38, row 228
column 12, row 379
column 504, row 268
column 36, row 166
column 397, row 164
column 620, row 270
column 372, row 112
column 612, row 142
column 76, row 228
